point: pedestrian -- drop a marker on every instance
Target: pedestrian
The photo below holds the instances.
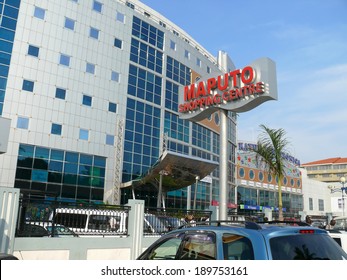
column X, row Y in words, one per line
column 331, row 224
column 189, row 219
column 308, row 220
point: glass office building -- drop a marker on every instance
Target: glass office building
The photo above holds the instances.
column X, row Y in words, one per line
column 91, row 88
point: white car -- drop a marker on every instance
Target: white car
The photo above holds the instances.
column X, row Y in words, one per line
column 339, row 232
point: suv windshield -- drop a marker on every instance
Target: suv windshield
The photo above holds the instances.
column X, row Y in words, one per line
column 306, row 247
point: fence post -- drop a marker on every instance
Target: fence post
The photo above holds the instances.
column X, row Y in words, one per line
column 135, row 226
column 215, row 213
column 9, row 203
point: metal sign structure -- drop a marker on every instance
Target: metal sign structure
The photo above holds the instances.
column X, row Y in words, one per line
column 239, row 90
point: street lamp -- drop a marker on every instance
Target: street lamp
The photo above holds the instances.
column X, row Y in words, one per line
column 342, row 190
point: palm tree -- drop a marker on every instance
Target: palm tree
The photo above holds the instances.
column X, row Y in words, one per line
column 269, row 150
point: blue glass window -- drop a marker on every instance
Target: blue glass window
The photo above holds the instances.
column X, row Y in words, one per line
column 90, row 68
column 28, row 85
column 69, row 23
column 97, row 6
column 118, row 43
column 41, row 152
column 109, row 139
column 99, row 161
column 71, row 168
column 57, row 155
column 146, row 56
column 7, row 34
column 26, row 150
column 94, row 33
column 120, row 17
column 56, row 166
column 112, row 107
column 86, row 159
column 115, row 76
column 172, row 45
column 23, row 123
column 71, row 157
column 8, row 23
column 38, row 165
column 144, row 85
column 39, row 13
column 148, row 33
column 39, row 175
column 60, row 93
column 6, row 46
column 56, row 129
column 64, row 60
column 87, row 100
column 33, row 51
column 11, row 12
column 84, row 134
column 4, row 70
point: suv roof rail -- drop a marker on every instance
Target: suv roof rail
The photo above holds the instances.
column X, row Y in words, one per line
column 218, row 223
column 296, row 223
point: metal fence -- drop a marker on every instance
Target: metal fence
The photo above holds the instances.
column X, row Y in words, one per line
column 158, row 221
column 40, row 217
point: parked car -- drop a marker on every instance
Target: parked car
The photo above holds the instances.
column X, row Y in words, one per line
column 44, row 230
column 223, row 240
column 32, row 230
column 91, row 221
column 59, row 231
column 153, row 225
column 171, row 222
column 339, row 232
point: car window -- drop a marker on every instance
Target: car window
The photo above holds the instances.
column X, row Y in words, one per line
column 166, row 250
column 100, row 222
column 198, row 246
column 341, row 224
column 306, row 247
column 237, row 247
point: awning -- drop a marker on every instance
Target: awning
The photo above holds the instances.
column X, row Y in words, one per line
column 178, row 170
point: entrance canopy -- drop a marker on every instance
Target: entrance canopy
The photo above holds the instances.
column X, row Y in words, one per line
column 178, row 171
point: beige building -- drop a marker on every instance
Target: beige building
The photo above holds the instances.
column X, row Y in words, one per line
column 327, row 170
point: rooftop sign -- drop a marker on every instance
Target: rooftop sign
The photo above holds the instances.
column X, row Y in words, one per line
column 239, row 90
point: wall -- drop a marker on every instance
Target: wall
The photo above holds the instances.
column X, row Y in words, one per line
column 9, row 201
column 89, row 248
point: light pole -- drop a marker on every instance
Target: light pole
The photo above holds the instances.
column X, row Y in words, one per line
column 342, row 190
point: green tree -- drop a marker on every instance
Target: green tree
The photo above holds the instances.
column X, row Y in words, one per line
column 271, row 145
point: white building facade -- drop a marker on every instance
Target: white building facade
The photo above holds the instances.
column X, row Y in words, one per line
column 91, row 91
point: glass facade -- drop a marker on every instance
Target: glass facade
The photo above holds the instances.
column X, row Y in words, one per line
column 70, row 175
column 8, row 22
column 153, row 90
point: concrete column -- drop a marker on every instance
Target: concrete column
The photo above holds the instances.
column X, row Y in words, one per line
column 135, row 226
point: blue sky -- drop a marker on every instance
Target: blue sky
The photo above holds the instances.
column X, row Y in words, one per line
column 308, row 41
